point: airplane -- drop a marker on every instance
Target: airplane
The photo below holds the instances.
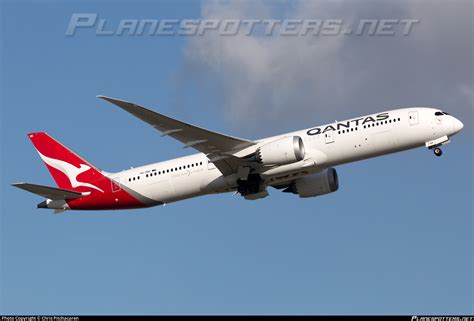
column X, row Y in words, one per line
column 300, row 162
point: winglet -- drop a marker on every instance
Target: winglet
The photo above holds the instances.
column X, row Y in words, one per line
column 103, row 97
column 115, row 101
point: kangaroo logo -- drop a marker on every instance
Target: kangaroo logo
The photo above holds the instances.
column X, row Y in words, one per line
column 69, row 170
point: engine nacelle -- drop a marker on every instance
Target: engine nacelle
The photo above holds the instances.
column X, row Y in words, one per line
column 321, row 183
column 285, row 150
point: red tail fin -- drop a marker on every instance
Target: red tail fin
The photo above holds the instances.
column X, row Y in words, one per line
column 69, row 170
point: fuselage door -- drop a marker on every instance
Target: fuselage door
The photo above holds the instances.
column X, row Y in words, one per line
column 116, row 184
column 210, row 165
column 413, row 118
column 329, row 136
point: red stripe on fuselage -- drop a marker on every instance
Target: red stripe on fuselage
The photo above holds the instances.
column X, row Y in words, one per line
column 106, row 201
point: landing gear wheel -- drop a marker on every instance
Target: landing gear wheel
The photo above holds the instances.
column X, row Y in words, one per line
column 437, row 151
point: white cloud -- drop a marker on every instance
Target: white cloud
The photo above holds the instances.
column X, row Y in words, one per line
column 292, row 81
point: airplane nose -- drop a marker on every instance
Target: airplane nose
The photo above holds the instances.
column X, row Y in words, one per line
column 457, row 125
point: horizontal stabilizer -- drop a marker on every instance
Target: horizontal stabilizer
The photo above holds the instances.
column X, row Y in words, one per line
column 49, row 192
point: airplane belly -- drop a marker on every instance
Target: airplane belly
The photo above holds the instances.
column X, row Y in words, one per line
column 186, row 185
column 382, row 142
column 162, row 191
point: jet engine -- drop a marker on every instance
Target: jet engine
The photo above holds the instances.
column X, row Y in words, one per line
column 321, row 183
column 285, row 150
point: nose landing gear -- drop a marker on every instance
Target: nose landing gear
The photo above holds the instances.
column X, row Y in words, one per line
column 436, row 144
column 437, row 151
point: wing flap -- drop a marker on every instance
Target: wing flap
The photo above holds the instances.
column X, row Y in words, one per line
column 49, row 192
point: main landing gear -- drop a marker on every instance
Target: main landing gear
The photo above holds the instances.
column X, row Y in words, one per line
column 437, row 151
column 252, row 188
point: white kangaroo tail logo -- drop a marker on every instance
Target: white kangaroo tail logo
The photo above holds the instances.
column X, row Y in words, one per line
column 69, row 170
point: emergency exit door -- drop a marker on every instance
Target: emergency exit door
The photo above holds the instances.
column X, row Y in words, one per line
column 413, row 118
column 116, row 184
column 329, row 136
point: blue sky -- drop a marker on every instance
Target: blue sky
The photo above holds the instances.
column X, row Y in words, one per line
column 396, row 237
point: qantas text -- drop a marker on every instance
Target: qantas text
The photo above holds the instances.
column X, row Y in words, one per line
column 347, row 124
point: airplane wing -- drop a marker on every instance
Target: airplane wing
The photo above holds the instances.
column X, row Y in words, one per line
column 203, row 140
column 49, row 192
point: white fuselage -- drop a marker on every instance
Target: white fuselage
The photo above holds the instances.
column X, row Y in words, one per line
column 326, row 146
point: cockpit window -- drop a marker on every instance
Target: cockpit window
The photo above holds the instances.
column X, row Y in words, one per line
column 438, row 113
column 445, row 113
